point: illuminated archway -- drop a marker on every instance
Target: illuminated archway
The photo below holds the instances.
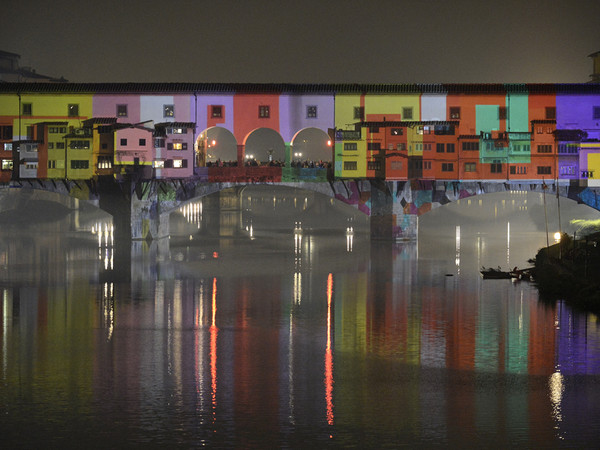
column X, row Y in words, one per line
column 216, row 146
column 264, row 146
column 311, row 145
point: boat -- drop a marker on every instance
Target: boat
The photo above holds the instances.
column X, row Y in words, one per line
column 499, row 274
column 494, row 274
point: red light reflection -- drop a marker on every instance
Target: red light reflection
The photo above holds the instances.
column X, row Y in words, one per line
column 329, row 356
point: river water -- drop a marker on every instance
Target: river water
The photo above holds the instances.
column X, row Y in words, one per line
column 273, row 321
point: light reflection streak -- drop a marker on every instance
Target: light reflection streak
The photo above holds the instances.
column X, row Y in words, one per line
column 329, row 356
column 457, row 250
column 508, row 244
column 213, row 351
column 556, row 385
column 108, row 301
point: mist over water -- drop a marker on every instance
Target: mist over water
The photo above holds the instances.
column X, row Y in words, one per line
column 269, row 319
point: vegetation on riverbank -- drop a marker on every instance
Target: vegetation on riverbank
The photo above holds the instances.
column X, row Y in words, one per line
column 570, row 271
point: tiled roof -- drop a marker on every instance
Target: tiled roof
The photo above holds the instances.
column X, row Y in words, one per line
column 406, row 123
column 175, row 124
column 291, row 88
column 100, row 121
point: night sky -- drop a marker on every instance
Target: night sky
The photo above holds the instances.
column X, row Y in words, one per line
column 310, row 41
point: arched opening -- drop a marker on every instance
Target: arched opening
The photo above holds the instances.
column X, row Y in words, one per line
column 264, row 146
column 311, row 147
column 216, row 146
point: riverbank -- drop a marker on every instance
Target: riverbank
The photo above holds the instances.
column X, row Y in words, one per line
column 570, row 271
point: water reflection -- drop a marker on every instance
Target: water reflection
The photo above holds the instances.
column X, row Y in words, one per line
column 290, row 338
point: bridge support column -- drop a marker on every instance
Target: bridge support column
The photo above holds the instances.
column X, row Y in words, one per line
column 389, row 221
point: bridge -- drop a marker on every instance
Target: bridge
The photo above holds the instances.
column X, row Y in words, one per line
column 141, row 208
column 140, row 150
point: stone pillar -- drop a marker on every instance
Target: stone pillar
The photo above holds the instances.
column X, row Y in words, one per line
column 388, row 218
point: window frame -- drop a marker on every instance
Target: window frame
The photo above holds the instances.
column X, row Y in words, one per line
column 264, row 111
column 168, row 110
column 122, row 110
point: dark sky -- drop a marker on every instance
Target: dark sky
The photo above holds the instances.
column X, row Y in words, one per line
column 312, row 41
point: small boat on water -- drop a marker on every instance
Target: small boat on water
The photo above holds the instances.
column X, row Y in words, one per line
column 498, row 274
column 494, row 274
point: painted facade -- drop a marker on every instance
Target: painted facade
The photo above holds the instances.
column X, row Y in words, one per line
column 391, row 132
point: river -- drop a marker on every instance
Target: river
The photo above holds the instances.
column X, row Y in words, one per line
column 271, row 320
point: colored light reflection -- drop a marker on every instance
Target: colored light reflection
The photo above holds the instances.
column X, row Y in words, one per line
column 213, row 350
column 329, row 356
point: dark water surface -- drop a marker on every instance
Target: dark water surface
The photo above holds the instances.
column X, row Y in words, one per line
column 275, row 322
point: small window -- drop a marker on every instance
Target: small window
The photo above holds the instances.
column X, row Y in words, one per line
column 502, row 113
column 264, row 111
column 350, row 146
column 596, row 113
column 407, row 113
column 396, row 165
column 73, row 110
column 168, row 110
column 374, row 146
column 350, row 165
column 470, row 167
column 142, row 142
column 550, row 112
column 496, row 167
column 447, row 167
column 216, row 111
column 158, row 164
column 122, row 110
column 544, row 170
column 7, row 164
column 450, row 148
column 60, row 145
column 401, row 146
column 27, row 109
column 439, row 148
column 544, row 148
column 470, row 145
column 159, row 143
column 50, row 145
column 359, row 112
column 455, row 112
column 396, row 132
column 123, row 142
column 178, row 163
column 373, row 165
column 311, row 112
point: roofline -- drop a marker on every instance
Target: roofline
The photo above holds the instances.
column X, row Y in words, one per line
column 292, row 88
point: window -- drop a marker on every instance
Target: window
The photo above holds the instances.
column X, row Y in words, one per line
column 79, row 144
column 80, row 164
column 373, row 165
column 427, row 165
column 407, row 113
column 168, row 110
column 444, row 129
column 401, row 146
column 520, row 170
column 104, row 146
column 142, row 142
column 176, row 130
column 73, row 110
column 264, row 111
column 350, row 146
column 311, row 112
column 502, row 113
column 539, row 130
column 159, row 143
column 8, row 146
column 396, row 132
column 427, row 147
column 550, row 112
column 178, row 163
column 359, row 112
column 104, row 162
column 455, row 112
column 567, row 170
column 396, row 165
column 350, row 165
column 7, row 164
column 596, row 113
column 177, row 146
column 158, row 164
column 544, row 148
column 121, row 110
column 449, row 148
column 567, row 148
column 60, row 145
column 50, row 145
column 6, row 132
column 123, row 142
column 447, row 167
column 470, row 167
column 496, row 167
column 374, row 146
column 27, row 109
column 216, row 111
column 470, row 146
column 544, row 170
column 439, row 148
